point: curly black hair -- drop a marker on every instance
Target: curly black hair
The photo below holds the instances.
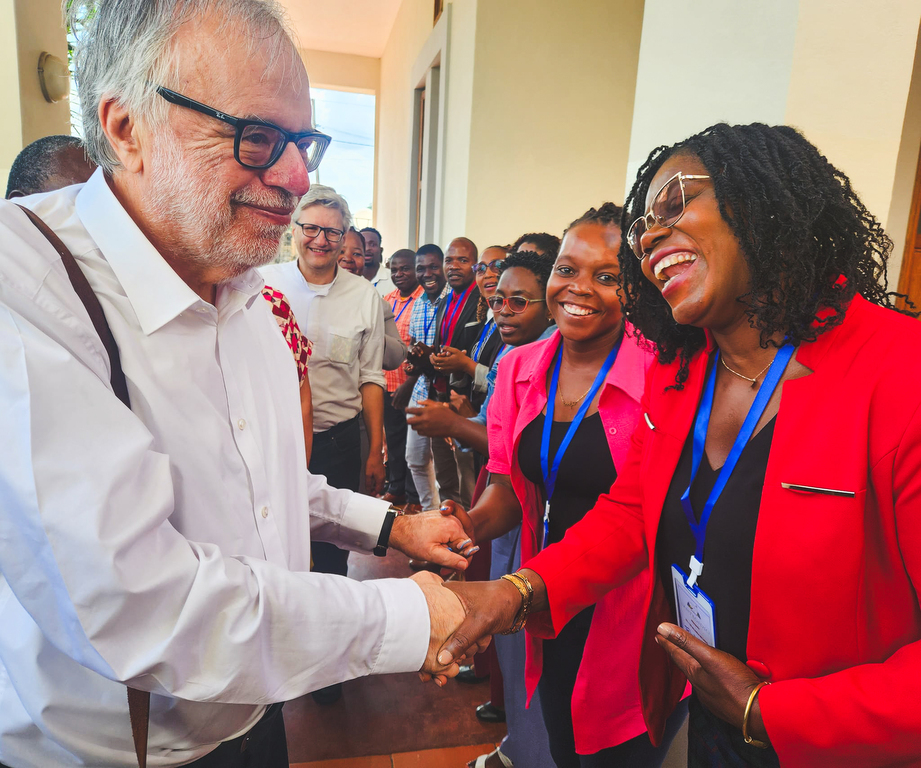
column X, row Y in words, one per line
column 549, row 244
column 810, row 244
column 609, row 215
column 539, row 265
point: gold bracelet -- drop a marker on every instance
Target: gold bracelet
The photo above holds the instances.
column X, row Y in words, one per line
column 527, row 593
column 748, row 711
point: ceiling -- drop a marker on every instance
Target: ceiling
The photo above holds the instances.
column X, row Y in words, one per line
column 360, row 27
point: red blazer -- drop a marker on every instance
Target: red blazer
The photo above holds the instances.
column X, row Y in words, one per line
column 835, row 622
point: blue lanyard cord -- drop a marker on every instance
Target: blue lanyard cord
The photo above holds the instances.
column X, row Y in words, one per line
column 428, row 320
column 701, row 425
column 487, row 331
column 449, row 315
column 549, row 471
column 411, row 300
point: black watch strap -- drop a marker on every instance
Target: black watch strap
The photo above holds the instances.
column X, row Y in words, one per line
column 383, row 541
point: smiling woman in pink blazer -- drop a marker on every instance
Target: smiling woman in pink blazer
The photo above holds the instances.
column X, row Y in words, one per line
column 588, row 677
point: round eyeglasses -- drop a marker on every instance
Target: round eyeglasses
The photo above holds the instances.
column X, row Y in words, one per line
column 516, row 304
column 495, row 265
column 666, row 209
column 258, row 144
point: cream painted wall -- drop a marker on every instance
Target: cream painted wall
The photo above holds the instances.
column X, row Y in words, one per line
column 342, row 71
column 458, row 152
column 852, row 69
column 28, row 27
column 710, row 61
column 411, row 29
column 552, row 111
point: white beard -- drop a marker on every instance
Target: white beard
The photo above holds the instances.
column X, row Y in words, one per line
column 203, row 223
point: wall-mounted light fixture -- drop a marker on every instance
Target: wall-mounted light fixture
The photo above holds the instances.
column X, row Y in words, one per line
column 54, row 77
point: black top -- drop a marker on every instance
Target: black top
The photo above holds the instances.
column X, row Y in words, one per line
column 586, row 470
column 730, row 542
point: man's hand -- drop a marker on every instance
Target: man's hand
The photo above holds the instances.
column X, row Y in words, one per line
column 403, row 393
column 451, row 360
column 721, row 682
column 374, row 473
column 461, row 405
column 432, row 419
column 433, row 536
column 446, row 612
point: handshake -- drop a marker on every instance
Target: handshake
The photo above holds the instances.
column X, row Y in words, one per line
column 463, row 615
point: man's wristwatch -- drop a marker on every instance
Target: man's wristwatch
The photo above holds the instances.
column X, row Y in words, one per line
column 383, row 541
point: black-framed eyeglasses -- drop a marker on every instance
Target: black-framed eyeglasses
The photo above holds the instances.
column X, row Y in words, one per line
column 667, row 207
column 496, row 265
column 516, row 304
column 258, row 144
column 311, row 231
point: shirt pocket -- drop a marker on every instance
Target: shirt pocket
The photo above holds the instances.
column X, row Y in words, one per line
column 342, row 346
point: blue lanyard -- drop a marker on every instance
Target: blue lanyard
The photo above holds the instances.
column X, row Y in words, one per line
column 409, row 301
column 701, row 425
column 428, row 320
column 487, row 331
column 448, row 319
column 549, row 471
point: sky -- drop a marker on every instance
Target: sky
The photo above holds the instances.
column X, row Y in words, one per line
column 348, row 165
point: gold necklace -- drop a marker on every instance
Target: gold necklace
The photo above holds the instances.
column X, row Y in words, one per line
column 573, row 403
column 753, row 381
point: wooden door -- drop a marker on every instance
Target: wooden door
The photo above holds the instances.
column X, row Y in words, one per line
column 910, row 277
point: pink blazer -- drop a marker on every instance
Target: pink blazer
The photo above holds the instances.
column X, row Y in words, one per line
column 606, row 704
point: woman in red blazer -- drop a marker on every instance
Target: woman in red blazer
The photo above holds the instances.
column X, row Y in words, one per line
column 751, row 263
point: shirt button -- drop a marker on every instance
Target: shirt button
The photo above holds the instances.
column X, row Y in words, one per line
column 242, row 423
column 612, row 430
column 264, row 511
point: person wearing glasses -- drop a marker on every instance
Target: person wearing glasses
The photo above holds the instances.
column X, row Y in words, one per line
column 157, row 508
column 773, row 484
column 342, row 315
column 560, row 424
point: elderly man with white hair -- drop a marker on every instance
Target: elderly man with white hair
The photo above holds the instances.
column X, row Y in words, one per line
column 163, row 548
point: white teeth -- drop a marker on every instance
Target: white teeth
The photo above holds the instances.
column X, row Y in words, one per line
column 573, row 309
column 671, row 260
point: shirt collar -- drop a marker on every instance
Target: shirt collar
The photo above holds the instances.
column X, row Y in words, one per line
column 156, row 293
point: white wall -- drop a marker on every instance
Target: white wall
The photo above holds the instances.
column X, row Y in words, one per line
column 709, row 61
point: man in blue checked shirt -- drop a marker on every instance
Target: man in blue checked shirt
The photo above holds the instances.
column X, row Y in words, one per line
column 419, row 458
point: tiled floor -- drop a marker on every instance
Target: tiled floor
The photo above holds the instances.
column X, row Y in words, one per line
column 448, row 757
column 389, row 714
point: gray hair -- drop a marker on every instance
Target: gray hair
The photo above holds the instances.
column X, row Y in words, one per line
column 123, row 52
column 328, row 198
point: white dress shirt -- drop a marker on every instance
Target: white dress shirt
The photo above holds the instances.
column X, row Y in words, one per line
column 344, row 321
column 166, row 546
column 382, row 281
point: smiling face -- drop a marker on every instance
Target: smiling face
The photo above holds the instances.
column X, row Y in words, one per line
column 352, row 254
column 430, row 274
column 582, row 292
column 403, row 271
column 527, row 326
column 197, row 204
column 459, row 261
column 372, row 256
column 487, row 281
column 317, row 254
column 697, row 263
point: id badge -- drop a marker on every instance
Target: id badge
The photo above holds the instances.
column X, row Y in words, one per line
column 695, row 611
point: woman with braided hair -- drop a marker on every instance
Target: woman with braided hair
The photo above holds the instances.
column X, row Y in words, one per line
column 773, row 485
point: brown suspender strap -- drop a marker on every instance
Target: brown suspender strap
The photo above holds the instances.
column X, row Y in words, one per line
column 138, row 701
